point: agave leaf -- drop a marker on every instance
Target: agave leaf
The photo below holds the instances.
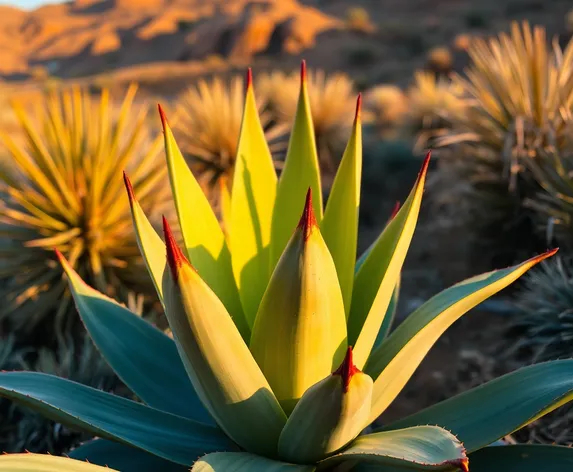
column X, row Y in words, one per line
column 506, row 404
column 329, row 415
column 300, row 172
column 143, row 357
column 222, row 370
column 150, row 244
column 122, row 457
column 388, row 317
column 108, row 416
column 28, row 462
column 416, row 448
column 523, row 458
column 299, row 336
column 244, row 462
column 225, row 202
column 379, row 274
column 252, row 202
column 340, row 223
column 203, row 237
column 394, row 362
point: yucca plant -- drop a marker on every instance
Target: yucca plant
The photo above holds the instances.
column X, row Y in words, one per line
column 518, row 94
column 275, row 363
column 332, row 119
column 62, row 190
column 207, row 129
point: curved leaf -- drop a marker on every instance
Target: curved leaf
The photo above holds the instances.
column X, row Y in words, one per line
column 375, row 280
column 45, row 463
column 244, row 462
column 340, row 223
column 301, row 171
column 417, row 448
column 204, row 239
column 219, row 363
column 143, row 357
column 497, row 408
column 394, row 362
column 83, row 408
column 252, row 202
column 388, row 317
column 121, row 457
column 523, row 458
column 299, row 336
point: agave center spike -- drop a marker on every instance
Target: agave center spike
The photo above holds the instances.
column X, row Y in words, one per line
column 347, row 370
column 308, row 219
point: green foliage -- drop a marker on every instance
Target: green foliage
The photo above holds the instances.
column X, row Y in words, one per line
column 289, row 375
column 63, row 190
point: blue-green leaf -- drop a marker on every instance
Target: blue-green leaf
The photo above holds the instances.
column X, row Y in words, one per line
column 121, row 457
column 83, row 408
column 142, row 356
column 522, row 458
column 417, row 448
column 245, row 462
column 484, row 414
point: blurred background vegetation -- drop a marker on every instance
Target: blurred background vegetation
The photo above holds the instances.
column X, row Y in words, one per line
column 487, row 85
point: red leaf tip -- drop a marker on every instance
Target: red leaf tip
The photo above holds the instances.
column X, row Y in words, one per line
column 249, row 78
column 162, row 116
column 175, row 256
column 347, row 370
column 308, row 220
column 545, row 255
column 60, row 256
column 358, row 107
column 129, row 188
column 303, row 71
column 426, row 163
column 395, row 211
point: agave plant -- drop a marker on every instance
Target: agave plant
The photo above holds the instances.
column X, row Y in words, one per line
column 274, row 363
column 207, row 129
column 63, row 191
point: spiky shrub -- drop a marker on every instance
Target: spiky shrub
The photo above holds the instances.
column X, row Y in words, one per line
column 208, row 125
column 275, row 363
column 388, row 106
column 331, row 118
column 519, row 97
column 63, row 190
column 433, row 103
column 27, row 430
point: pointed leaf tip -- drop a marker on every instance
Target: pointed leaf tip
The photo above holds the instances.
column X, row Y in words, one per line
column 308, row 220
column 249, row 82
column 129, row 189
column 303, row 71
column 395, row 211
column 461, row 464
column 426, row 163
column 358, row 107
column 60, row 256
column 175, row 257
column 162, row 116
column 347, row 370
column 545, row 255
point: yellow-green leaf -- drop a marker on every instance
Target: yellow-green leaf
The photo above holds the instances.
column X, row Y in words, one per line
column 301, row 171
column 340, row 223
column 329, row 415
column 252, row 202
column 299, row 335
column 204, row 239
column 222, row 370
column 45, row 463
column 394, row 362
column 150, row 244
column 379, row 273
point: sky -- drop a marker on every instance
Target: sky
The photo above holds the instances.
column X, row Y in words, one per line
column 27, row 4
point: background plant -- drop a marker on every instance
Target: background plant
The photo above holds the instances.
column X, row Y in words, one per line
column 62, row 189
column 518, row 92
